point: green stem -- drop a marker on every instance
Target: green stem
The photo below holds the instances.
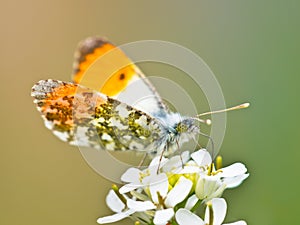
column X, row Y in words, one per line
column 211, row 214
column 116, row 190
column 195, row 207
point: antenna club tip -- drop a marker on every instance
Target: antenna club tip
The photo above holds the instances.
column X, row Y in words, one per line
column 245, row 105
column 208, row 122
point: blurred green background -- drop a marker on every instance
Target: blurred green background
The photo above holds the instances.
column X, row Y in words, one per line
column 251, row 46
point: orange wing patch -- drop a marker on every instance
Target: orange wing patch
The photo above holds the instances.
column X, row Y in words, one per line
column 55, row 103
column 118, row 81
column 88, row 51
column 102, row 66
column 58, row 101
column 84, row 117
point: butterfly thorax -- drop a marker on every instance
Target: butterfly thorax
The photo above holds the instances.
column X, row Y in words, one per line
column 175, row 130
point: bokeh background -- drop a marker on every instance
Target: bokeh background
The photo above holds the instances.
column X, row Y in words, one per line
column 251, row 46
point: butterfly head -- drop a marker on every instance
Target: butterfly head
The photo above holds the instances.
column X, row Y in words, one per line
column 187, row 125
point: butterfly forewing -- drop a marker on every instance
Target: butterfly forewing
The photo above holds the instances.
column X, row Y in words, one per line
column 102, row 66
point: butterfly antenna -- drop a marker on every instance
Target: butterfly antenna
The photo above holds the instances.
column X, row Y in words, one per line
column 242, row 106
column 212, row 144
column 207, row 121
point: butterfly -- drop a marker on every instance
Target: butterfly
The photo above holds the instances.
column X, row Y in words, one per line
column 111, row 105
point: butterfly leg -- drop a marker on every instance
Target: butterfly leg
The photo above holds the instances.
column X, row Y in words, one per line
column 197, row 143
column 142, row 160
column 162, row 154
column 212, row 144
column 179, row 154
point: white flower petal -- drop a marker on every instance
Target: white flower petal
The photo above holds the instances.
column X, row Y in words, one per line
column 211, row 184
column 233, row 170
column 202, row 157
column 129, row 187
column 115, row 217
column 140, row 206
column 157, row 183
column 140, row 196
column 232, row 182
column 179, row 192
column 218, row 192
column 132, row 175
column 241, row 222
column 199, row 190
column 191, row 202
column 186, row 217
column 176, row 162
column 191, row 163
column 163, row 216
column 172, row 164
column 153, row 166
column 208, row 187
column 189, row 169
column 219, row 208
column 114, row 202
column 185, row 156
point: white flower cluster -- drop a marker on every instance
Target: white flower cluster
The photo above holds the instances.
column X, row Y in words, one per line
column 171, row 191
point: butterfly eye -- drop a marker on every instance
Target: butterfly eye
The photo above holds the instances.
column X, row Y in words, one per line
column 181, row 128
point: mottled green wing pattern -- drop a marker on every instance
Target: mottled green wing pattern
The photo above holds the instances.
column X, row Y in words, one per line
column 85, row 117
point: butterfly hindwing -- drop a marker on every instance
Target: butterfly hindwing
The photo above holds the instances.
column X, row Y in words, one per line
column 85, row 117
column 104, row 67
